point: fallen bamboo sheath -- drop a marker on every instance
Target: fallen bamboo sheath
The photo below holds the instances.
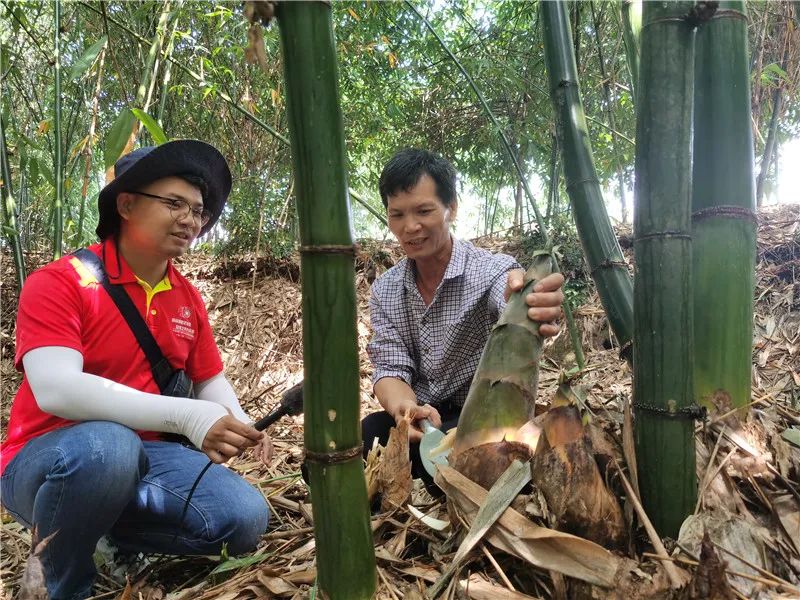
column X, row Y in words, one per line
column 502, row 494
column 542, row 547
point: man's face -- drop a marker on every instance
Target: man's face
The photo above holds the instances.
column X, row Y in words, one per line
column 420, row 221
column 162, row 226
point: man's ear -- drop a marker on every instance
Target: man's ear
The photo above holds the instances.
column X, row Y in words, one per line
column 125, row 204
column 453, row 208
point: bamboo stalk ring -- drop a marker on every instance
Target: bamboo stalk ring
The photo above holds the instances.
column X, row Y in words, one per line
column 610, row 264
column 734, row 212
column 692, row 411
column 329, row 249
column 333, row 458
column 663, row 234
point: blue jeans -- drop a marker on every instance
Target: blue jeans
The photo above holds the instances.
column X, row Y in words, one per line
column 97, row 478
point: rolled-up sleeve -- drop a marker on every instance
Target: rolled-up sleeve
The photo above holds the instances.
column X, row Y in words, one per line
column 388, row 352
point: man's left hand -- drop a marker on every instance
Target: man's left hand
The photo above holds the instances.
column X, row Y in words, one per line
column 544, row 301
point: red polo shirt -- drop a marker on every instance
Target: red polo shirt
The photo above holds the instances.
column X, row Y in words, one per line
column 62, row 304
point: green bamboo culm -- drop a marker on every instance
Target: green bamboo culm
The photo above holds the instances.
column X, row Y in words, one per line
column 9, row 209
column 58, row 169
column 663, row 344
column 631, row 28
column 600, row 245
column 723, row 201
column 345, row 556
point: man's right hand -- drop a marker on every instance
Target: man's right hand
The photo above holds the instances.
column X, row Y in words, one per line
column 229, row 437
column 417, row 414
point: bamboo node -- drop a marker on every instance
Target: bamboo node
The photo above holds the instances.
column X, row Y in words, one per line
column 692, row 412
column 663, row 234
column 730, row 13
column 332, row 458
column 734, row 212
column 702, row 12
column 329, row 249
column 571, row 184
column 610, row 264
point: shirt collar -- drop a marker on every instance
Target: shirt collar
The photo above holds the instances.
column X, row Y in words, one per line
column 118, row 269
column 455, row 267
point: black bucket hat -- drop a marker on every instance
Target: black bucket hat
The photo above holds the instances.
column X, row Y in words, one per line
column 178, row 157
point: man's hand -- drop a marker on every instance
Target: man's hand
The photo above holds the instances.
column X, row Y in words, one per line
column 264, row 451
column 417, row 413
column 229, row 437
column 544, row 302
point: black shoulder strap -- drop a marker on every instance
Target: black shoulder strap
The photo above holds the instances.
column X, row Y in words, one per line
column 162, row 370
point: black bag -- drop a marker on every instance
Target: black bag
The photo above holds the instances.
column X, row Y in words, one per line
column 170, row 381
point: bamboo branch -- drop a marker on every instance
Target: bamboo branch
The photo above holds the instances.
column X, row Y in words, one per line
column 9, row 210
column 674, row 575
column 58, row 169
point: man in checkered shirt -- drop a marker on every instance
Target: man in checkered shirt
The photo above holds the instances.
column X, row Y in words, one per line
column 432, row 312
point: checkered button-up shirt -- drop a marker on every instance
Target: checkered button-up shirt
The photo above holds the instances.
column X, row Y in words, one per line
column 435, row 349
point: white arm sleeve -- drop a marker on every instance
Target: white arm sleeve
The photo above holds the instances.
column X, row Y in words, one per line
column 61, row 388
column 218, row 389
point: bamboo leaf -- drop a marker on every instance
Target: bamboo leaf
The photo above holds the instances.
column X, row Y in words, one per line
column 238, row 563
column 118, row 136
column 87, row 60
column 47, row 172
column 158, row 135
column 792, row 435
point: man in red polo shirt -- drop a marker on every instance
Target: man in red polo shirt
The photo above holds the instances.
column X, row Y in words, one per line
column 85, row 455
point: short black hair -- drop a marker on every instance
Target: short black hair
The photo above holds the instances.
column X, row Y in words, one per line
column 405, row 168
column 196, row 181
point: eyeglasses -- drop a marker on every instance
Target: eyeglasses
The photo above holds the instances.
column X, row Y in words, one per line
column 179, row 208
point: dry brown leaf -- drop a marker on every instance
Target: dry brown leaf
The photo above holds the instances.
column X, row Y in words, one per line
column 423, row 572
column 787, row 509
column 478, row 588
column 397, row 544
column 33, row 585
column 395, row 473
column 276, row 585
column 540, row 546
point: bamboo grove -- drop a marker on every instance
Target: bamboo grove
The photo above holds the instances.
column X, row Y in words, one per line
column 399, row 87
column 661, row 96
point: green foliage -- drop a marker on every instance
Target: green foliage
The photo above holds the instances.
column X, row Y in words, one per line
column 118, row 136
column 567, row 247
column 397, row 88
column 84, row 62
column 153, row 128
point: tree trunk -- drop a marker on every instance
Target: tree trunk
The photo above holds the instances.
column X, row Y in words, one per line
column 345, row 556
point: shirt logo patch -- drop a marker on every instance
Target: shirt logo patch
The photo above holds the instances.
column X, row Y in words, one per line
column 183, row 327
